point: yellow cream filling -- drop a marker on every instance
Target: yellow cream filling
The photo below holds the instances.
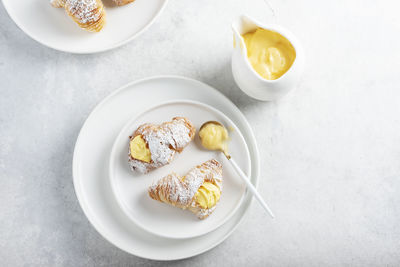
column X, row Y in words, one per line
column 270, row 54
column 213, row 136
column 208, row 195
column 139, row 149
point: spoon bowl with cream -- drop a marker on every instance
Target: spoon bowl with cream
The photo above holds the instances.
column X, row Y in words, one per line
column 267, row 60
column 214, row 136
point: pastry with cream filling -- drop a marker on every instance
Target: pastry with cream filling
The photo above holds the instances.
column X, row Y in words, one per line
column 154, row 145
column 88, row 14
column 198, row 191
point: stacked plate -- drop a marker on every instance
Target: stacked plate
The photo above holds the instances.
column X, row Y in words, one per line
column 115, row 200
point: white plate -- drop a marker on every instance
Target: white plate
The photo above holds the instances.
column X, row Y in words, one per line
column 52, row 27
column 164, row 220
column 91, row 157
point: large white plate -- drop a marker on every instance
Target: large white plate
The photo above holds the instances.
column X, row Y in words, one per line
column 130, row 189
column 52, row 27
column 91, row 156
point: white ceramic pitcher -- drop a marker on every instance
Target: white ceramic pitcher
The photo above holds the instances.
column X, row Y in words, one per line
column 247, row 78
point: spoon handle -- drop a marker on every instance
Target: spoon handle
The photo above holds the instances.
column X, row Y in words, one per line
column 251, row 187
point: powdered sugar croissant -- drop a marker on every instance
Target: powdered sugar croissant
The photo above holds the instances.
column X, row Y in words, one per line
column 152, row 146
column 88, row 14
column 198, row 191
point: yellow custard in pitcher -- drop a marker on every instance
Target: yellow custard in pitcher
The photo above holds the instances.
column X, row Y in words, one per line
column 270, row 54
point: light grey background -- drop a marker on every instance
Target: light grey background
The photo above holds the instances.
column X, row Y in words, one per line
column 330, row 150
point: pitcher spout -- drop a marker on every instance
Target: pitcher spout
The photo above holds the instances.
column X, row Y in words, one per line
column 243, row 24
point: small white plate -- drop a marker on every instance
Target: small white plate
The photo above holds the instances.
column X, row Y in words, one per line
column 92, row 154
column 161, row 219
column 52, row 27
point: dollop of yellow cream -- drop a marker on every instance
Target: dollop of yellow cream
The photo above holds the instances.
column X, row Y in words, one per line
column 208, row 195
column 139, row 149
column 270, row 54
column 213, row 136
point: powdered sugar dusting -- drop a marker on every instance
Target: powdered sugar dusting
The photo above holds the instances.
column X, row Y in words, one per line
column 179, row 134
column 180, row 192
column 163, row 141
column 83, row 10
column 159, row 144
column 203, row 213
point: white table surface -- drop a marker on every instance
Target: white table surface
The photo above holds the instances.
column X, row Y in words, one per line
column 330, row 150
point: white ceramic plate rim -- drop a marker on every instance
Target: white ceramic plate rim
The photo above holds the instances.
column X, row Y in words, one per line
column 81, row 197
column 114, row 152
column 20, row 25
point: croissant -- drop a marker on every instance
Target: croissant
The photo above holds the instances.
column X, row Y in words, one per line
column 122, row 2
column 88, row 14
column 57, row 3
column 152, row 146
column 198, row 191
